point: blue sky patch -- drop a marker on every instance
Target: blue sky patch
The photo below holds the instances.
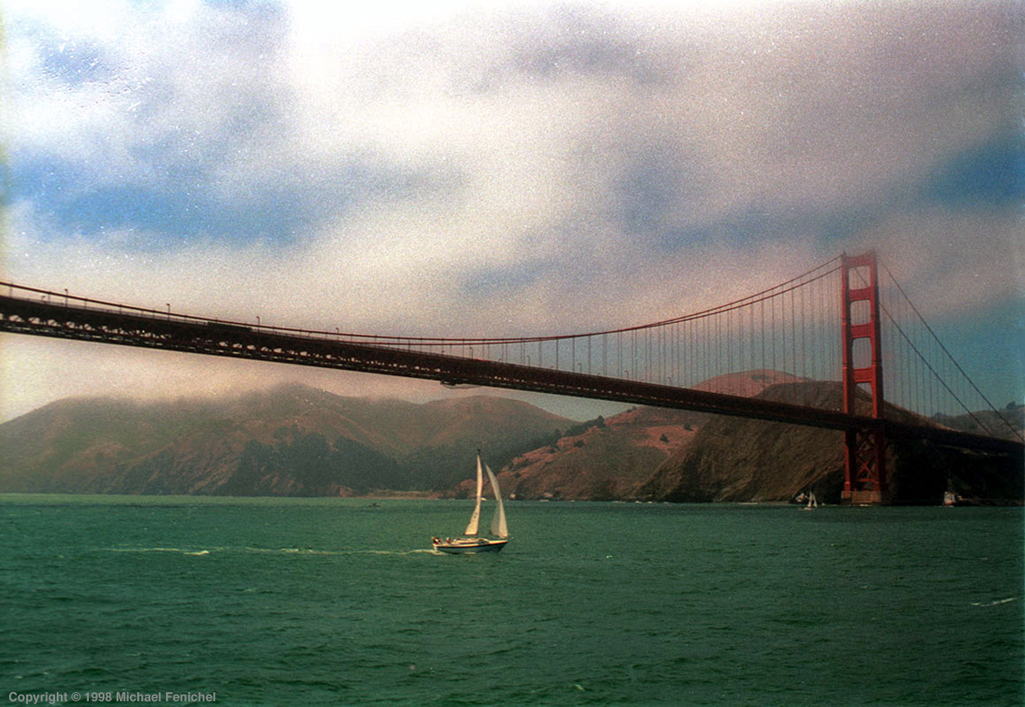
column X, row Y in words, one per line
column 992, row 174
column 488, row 282
column 183, row 207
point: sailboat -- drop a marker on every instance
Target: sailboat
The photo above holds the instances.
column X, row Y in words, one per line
column 813, row 502
column 471, row 542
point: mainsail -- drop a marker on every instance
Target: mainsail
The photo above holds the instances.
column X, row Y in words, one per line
column 498, row 525
column 471, row 528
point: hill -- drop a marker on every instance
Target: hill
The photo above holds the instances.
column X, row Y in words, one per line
column 298, row 441
column 1008, row 423
column 611, row 459
column 655, row 454
column 605, row 460
column 291, row 440
column 739, row 460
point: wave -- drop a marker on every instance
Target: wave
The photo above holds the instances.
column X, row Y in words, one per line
column 997, row 602
column 338, row 553
column 179, row 550
column 203, row 552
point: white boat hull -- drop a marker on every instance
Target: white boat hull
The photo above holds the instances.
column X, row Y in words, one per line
column 468, row 546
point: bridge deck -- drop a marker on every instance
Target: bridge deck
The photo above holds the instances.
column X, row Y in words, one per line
column 104, row 323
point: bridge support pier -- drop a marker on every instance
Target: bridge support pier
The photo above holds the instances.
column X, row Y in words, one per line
column 865, row 453
column 865, row 467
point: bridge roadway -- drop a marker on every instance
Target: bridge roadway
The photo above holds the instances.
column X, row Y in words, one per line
column 55, row 316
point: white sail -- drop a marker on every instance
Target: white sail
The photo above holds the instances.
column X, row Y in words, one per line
column 498, row 525
column 471, row 528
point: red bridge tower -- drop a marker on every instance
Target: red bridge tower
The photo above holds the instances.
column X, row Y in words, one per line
column 865, row 455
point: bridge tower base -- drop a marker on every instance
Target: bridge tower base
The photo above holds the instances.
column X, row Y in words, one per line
column 865, row 448
column 864, row 467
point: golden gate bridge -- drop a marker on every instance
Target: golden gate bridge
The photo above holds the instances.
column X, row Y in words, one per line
column 846, row 321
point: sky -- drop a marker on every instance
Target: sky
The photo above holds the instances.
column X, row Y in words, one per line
column 497, row 169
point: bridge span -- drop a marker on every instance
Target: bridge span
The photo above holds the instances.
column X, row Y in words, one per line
column 793, row 327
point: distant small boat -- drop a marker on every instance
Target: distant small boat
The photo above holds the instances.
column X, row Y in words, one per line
column 470, row 542
column 812, row 502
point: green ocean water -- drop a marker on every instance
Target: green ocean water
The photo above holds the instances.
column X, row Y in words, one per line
column 341, row 602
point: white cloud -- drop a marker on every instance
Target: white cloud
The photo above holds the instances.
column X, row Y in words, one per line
column 441, row 154
column 954, row 262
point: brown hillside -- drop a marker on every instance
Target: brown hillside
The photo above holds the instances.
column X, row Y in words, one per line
column 740, row 460
column 603, row 463
column 614, row 461
column 734, row 459
column 747, row 384
column 289, row 440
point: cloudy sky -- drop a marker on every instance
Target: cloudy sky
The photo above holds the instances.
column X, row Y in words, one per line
column 500, row 168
